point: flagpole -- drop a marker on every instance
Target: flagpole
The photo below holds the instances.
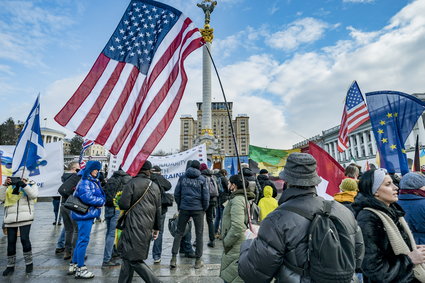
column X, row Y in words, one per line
column 234, row 137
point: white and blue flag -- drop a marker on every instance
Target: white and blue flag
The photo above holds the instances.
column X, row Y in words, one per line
column 29, row 150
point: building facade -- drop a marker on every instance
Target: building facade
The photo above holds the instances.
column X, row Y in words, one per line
column 362, row 144
column 191, row 128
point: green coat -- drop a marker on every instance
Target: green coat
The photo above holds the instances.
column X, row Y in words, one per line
column 234, row 226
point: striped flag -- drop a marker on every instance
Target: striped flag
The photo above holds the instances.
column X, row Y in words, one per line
column 355, row 114
column 132, row 93
column 86, row 144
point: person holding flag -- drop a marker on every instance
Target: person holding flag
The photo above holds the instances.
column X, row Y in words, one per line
column 18, row 194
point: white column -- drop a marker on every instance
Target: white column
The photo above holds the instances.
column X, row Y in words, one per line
column 366, row 144
column 336, row 150
column 359, row 146
column 327, row 148
column 206, row 87
column 421, row 131
column 373, row 141
column 347, row 154
column 353, row 149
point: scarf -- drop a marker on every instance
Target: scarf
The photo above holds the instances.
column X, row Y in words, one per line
column 416, row 192
column 396, row 240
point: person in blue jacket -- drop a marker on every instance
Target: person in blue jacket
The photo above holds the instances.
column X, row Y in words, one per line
column 412, row 200
column 90, row 192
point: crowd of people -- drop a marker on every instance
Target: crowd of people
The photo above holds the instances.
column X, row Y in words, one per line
column 372, row 231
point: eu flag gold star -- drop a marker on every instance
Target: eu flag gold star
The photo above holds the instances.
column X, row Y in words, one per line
column 389, row 115
column 382, row 122
column 403, row 150
column 393, row 146
column 395, row 114
column 384, row 140
column 380, row 131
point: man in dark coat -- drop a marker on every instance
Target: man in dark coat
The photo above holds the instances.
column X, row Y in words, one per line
column 192, row 197
column 263, row 180
column 143, row 223
column 283, row 230
column 222, row 198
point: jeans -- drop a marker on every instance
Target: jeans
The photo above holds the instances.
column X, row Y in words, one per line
column 61, row 241
column 218, row 217
column 210, row 216
column 84, row 229
column 12, row 237
column 71, row 231
column 111, row 218
column 128, row 268
column 56, row 203
column 157, row 244
column 198, row 220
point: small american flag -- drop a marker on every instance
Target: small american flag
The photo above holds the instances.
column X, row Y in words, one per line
column 355, row 113
column 86, row 144
column 132, row 93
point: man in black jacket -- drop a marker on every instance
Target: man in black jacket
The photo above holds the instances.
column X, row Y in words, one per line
column 282, row 235
column 142, row 223
column 164, row 186
column 263, row 180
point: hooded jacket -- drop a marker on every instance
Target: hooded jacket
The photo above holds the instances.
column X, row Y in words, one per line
column 414, row 206
column 89, row 192
column 264, row 180
column 267, row 204
column 380, row 264
column 283, row 234
column 164, row 186
column 192, row 192
column 144, row 217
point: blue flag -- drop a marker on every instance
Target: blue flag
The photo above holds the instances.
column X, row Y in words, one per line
column 29, row 150
column 393, row 115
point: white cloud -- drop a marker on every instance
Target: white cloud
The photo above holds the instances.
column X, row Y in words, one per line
column 306, row 30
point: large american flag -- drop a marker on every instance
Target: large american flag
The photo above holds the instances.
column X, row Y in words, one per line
column 132, row 93
column 355, row 113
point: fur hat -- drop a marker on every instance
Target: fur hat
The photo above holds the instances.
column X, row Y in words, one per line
column 348, row 185
column 412, row 181
column 300, row 170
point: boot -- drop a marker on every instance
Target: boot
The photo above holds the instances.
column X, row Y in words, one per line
column 198, row 263
column 83, row 273
column 173, row 261
column 29, row 268
column 28, row 257
column 72, row 268
column 11, row 259
column 67, row 255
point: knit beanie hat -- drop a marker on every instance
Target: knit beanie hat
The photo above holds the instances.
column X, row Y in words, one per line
column 203, row 167
column 412, row 181
column 348, row 185
column 195, row 164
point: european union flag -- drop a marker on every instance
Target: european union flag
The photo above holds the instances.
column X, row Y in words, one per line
column 393, row 115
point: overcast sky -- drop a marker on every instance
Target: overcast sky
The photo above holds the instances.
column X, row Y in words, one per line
column 285, row 63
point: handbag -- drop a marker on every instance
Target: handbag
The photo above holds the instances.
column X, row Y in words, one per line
column 121, row 220
column 75, row 204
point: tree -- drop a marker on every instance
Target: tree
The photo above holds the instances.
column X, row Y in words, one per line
column 9, row 132
column 76, row 145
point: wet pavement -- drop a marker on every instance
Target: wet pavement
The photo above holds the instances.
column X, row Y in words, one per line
column 49, row 267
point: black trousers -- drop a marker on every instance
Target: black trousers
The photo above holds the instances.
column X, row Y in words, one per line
column 128, row 268
column 210, row 215
column 198, row 221
column 12, row 237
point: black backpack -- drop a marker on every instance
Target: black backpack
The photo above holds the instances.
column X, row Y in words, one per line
column 111, row 188
column 331, row 250
column 68, row 186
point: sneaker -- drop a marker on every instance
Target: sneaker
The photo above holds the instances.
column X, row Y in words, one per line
column 72, row 268
column 59, row 224
column 67, row 255
column 59, row 250
column 211, row 244
column 29, row 268
column 157, row 261
column 110, row 264
column 198, row 263
column 8, row 271
column 173, row 262
column 83, row 273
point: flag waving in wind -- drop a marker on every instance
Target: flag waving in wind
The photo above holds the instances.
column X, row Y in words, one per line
column 29, row 150
column 86, row 144
column 393, row 115
column 132, row 93
column 354, row 114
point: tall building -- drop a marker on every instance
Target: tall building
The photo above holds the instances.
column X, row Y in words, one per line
column 191, row 129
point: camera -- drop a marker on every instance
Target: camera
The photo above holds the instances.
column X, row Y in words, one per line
column 14, row 180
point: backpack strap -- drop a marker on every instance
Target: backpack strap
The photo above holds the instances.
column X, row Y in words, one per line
column 299, row 211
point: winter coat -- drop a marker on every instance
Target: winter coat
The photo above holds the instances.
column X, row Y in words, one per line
column 267, row 204
column 414, row 206
column 380, row 264
column 21, row 212
column 144, row 217
column 115, row 185
column 89, row 192
column 346, row 198
column 234, row 224
column 225, row 194
column 264, row 180
column 283, row 234
column 211, row 181
column 164, row 186
column 191, row 192
column 250, row 177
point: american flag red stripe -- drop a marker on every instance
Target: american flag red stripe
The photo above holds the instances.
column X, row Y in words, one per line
column 354, row 115
column 124, row 108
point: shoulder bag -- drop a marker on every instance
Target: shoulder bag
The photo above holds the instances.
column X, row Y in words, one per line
column 121, row 220
column 75, row 204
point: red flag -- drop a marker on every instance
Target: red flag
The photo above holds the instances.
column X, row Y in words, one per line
column 328, row 169
column 132, row 93
column 355, row 113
